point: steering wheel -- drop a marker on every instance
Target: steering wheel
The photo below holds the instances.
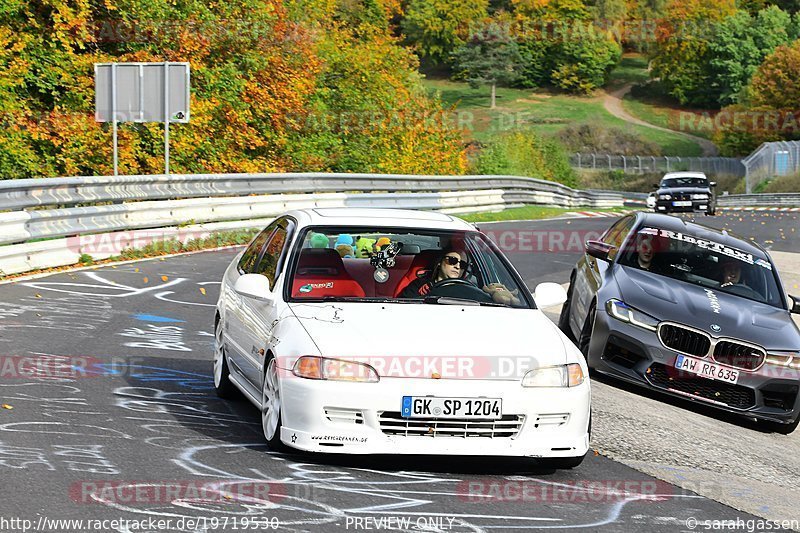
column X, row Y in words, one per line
column 741, row 289
column 459, row 288
column 451, row 281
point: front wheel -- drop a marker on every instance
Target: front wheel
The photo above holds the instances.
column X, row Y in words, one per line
column 271, row 408
column 586, row 333
column 222, row 381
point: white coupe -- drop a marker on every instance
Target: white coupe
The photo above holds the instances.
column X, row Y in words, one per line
column 342, row 328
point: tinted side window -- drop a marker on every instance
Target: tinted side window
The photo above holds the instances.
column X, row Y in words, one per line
column 617, row 233
column 269, row 261
column 248, row 261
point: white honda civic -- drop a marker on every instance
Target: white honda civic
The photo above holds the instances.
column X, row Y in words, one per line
column 371, row 331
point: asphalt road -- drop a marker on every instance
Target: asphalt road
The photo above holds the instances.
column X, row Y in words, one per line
column 108, row 413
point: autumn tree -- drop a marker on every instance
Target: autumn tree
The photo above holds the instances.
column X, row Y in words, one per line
column 491, row 56
column 436, row 28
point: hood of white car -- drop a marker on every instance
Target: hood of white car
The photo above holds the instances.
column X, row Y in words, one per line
column 420, row 340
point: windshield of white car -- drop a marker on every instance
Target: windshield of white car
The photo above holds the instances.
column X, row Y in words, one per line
column 671, row 183
column 374, row 264
column 703, row 262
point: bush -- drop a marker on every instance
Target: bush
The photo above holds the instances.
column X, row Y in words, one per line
column 781, row 184
column 583, row 65
column 524, row 153
column 590, row 137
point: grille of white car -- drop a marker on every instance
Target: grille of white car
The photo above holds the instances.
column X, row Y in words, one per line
column 344, row 416
column 392, row 423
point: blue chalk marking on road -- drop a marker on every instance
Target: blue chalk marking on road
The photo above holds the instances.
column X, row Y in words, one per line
column 156, row 318
column 147, row 374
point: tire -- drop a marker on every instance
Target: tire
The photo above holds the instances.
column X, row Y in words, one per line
column 222, row 381
column 563, row 319
column 271, row 418
column 586, row 333
column 778, row 427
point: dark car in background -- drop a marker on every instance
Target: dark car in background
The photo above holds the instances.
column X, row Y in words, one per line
column 690, row 311
column 680, row 192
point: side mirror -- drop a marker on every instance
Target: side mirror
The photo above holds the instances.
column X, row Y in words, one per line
column 598, row 249
column 657, row 185
column 713, row 184
column 795, row 301
column 549, row 295
column 254, row 286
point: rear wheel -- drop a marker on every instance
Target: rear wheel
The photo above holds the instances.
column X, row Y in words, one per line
column 271, row 408
column 222, row 382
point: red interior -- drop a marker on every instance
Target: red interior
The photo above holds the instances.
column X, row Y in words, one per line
column 328, row 274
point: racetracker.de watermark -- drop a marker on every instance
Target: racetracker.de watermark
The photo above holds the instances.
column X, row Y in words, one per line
column 168, row 492
column 422, row 367
column 115, row 243
column 541, row 241
column 600, row 491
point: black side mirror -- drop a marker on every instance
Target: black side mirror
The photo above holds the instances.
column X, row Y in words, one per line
column 657, row 186
column 713, row 184
column 598, row 249
column 795, row 301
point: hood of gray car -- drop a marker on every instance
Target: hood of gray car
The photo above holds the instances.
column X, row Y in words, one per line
column 677, row 301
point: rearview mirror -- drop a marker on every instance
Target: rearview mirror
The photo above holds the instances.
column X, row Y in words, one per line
column 795, row 301
column 549, row 295
column 713, row 184
column 598, row 249
column 254, row 286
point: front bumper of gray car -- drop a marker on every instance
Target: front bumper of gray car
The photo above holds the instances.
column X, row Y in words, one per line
column 637, row 355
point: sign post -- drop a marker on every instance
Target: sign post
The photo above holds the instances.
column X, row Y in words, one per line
column 142, row 92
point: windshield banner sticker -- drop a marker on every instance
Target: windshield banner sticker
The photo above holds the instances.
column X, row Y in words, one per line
column 709, row 245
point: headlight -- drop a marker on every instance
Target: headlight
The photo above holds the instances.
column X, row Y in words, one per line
column 786, row 359
column 622, row 311
column 699, row 197
column 313, row 367
column 665, row 197
column 570, row 375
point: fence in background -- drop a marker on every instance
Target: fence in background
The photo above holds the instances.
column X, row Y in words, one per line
column 657, row 164
column 771, row 160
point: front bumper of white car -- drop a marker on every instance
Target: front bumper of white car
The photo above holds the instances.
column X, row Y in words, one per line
column 364, row 418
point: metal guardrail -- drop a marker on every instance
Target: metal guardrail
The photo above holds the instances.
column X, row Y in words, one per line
column 759, row 200
column 100, row 205
column 22, row 194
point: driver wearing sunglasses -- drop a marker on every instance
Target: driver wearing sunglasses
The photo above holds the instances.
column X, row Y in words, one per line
column 452, row 264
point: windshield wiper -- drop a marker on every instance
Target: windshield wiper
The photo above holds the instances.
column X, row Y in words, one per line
column 449, row 300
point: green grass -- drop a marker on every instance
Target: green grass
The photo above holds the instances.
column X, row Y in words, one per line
column 663, row 113
column 528, row 212
column 632, row 69
column 540, row 110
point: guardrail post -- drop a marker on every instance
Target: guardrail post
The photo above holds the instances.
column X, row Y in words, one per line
column 654, row 162
column 667, row 158
column 624, row 164
column 640, row 163
column 579, row 159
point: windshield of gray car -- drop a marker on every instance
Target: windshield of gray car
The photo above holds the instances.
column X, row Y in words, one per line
column 703, row 262
column 684, row 182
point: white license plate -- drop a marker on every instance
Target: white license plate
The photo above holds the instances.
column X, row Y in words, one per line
column 706, row 369
column 682, row 203
column 430, row 407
